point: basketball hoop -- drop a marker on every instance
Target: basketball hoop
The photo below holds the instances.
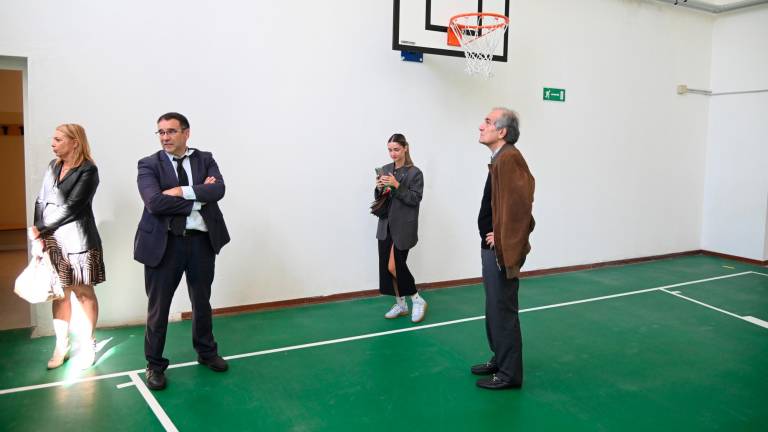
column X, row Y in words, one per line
column 478, row 34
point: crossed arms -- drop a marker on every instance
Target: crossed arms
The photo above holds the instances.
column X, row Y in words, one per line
column 171, row 201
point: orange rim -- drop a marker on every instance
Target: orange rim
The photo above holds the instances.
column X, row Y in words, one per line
column 475, row 14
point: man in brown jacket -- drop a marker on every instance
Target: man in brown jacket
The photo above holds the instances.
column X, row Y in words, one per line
column 505, row 222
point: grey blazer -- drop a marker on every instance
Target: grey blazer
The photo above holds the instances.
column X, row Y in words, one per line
column 403, row 217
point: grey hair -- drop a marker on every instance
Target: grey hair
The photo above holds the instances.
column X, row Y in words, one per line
column 510, row 121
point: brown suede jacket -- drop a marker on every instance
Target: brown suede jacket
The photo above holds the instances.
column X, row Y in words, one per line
column 512, row 188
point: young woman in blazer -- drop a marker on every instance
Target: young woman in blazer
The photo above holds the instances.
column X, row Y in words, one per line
column 397, row 231
column 65, row 227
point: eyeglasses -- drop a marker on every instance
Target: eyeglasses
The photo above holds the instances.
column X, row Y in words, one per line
column 169, row 132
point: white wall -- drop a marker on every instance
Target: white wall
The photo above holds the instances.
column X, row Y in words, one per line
column 736, row 197
column 298, row 119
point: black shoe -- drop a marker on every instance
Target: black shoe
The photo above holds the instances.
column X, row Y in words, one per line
column 155, row 379
column 496, row 383
column 215, row 363
column 486, row 368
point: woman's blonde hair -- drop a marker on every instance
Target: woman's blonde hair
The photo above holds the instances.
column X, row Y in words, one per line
column 82, row 152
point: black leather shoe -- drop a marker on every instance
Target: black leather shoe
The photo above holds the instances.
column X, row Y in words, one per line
column 496, row 383
column 486, row 368
column 155, row 379
column 215, row 363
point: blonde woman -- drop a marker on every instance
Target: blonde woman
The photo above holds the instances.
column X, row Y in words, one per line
column 65, row 227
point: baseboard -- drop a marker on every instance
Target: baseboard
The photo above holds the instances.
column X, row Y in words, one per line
column 735, row 258
column 459, row 282
column 580, row 267
column 447, row 284
column 288, row 303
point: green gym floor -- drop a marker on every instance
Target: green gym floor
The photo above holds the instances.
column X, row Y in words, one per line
column 675, row 344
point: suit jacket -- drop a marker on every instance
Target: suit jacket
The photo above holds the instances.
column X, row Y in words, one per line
column 156, row 174
column 512, row 187
column 403, row 217
column 65, row 210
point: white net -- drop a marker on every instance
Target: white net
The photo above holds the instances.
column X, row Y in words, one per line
column 479, row 35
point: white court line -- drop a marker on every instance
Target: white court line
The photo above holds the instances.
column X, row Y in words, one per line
column 714, row 308
column 124, row 385
column 153, row 404
column 68, row 382
column 424, row 327
column 749, row 319
column 633, row 292
column 757, row 321
column 340, row 340
column 370, row 335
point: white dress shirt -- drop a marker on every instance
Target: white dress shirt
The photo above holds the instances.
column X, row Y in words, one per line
column 195, row 219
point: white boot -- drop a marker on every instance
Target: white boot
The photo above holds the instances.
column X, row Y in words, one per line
column 61, row 351
column 86, row 354
column 60, row 354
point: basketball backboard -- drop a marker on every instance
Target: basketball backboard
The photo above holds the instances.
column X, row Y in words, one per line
column 422, row 25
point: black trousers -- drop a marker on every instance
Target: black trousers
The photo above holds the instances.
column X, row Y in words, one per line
column 406, row 284
column 191, row 255
column 502, row 324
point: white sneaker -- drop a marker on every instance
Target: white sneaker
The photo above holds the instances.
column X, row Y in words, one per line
column 397, row 310
column 419, row 310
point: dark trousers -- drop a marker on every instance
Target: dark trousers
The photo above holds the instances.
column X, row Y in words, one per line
column 502, row 324
column 406, row 284
column 193, row 255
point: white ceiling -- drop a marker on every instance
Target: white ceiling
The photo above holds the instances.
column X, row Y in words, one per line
column 716, row 6
column 721, row 2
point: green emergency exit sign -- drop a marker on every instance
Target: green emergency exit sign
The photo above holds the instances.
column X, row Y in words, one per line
column 554, row 94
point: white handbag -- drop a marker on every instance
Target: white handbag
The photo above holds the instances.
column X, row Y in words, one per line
column 39, row 282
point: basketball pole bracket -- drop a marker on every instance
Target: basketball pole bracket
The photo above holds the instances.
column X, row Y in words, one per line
column 412, row 56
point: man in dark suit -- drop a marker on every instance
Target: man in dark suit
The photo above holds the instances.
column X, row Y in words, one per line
column 181, row 231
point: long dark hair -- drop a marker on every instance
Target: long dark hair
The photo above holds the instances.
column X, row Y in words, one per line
column 400, row 139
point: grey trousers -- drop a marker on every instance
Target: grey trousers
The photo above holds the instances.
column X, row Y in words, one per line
column 502, row 324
